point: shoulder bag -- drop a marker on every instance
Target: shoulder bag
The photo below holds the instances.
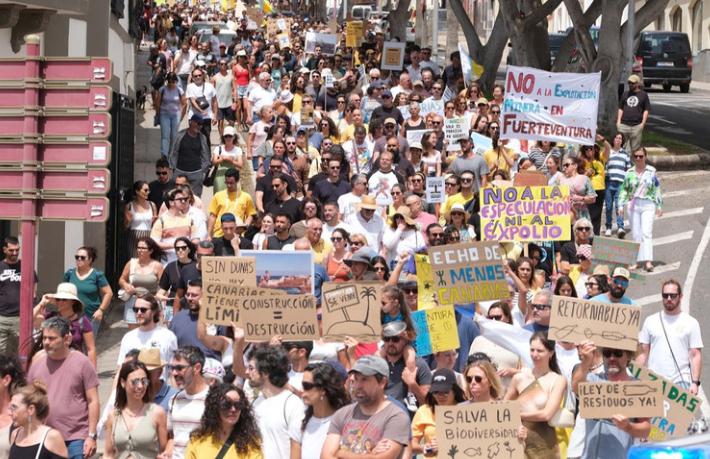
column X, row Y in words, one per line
column 211, row 172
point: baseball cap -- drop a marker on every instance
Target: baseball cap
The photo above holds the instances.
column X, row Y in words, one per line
column 387, row 93
column 391, row 121
column 196, row 117
column 371, row 365
column 443, row 379
column 229, row 130
column 620, row 271
column 418, row 83
column 634, row 79
column 416, row 145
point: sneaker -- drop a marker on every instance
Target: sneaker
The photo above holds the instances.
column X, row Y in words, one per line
column 621, row 233
column 607, row 233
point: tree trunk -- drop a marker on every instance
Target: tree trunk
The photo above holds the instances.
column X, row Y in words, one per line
column 609, row 62
column 421, row 25
column 398, row 21
column 452, row 30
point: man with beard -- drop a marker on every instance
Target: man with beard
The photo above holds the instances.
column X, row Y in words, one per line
column 373, row 425
column 184, row 324
column 187, row 405
column 617, row 288
column 608, row 438
column 10, row 279
column 231, row 241
column 281, row 236
column 542, row 309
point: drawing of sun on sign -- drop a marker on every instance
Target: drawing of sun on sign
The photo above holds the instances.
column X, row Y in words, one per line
column 352, row 309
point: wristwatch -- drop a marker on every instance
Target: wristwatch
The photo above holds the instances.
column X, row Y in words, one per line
column 697, row 383
column 93, row 436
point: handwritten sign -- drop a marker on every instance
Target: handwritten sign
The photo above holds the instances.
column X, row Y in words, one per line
column 229, row 270
column 392, row 55
column 432, row 106
column 468, row 272
column 479, row 430
column 326, row 41
column 680, row 407
column 435, row 190
column 541, row 105
column 526, row 214
column 283, row 40
column 481, row 143
column 415, row 135
column 614, row 252
column 455, row 129
column 609, row 325
column 633, row 399
column 353, row 33
column 352, row 309
column 220, row 304
column 426, row 297
column 293, row 317
column 329, row 80
column 438, row 330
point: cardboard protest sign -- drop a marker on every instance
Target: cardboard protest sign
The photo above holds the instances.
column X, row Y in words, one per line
column 526, row 214
column 352, row 309
column 431, row 106
column 426, row 295
column 307, row 117
column 614, row 252
column 468, row 272
column 611, row 325
column 415, row 135
column 436, row 330
column 255, row 13
column 291, row 272
column 353, row 33
column 328, row 80
column 542, row 105
column 293, row 317
column 530, row 178
column 435, row 190
column 633, row 399
column 229, row 270
column 392, row 55
column 220, row 304
column 284, row 40
column 326, row 41
column 455, row 129
column 479, row 430
column 680, row 407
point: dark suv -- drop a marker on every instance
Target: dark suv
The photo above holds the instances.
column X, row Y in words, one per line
column 666, row 59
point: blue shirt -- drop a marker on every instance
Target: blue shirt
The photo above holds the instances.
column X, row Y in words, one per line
column 164, row 395
column 184, row 325
column 535, row 327
column 604, row 298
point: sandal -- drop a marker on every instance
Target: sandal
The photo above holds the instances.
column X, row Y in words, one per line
column 649, row 267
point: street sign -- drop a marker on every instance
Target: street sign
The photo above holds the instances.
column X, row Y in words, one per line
column 88, row 210
column 52, row 151
column 66, row 69
column 75, row 123
column 59, row 182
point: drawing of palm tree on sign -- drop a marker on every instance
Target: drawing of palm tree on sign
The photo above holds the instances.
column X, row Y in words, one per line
column 367, row 293
column 350, row 326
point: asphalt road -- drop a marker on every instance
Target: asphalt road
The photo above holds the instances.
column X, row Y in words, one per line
column 681, row 116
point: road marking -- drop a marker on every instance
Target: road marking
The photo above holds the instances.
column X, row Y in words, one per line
column 681, row 213
column 646, row 300
column 660, row 118
column 675, row 194
column 664, row 268
column 676, row 175
column 673, row 238
column 694, row 266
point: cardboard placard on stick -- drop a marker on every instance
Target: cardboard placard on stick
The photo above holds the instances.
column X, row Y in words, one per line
column 326, row 41
column 680, row 406
column 435, row 190
column 353, row 33
column 392, row 55
column 220, row 304
column 436, row 330
column 229, row 270
column 352, row 309
column 611, row 325
column 293, row 317
column 633, row 399
column 468, row 272
column 426, row 297
column 530, row 178
column 415, row 135
column 614, row 252
column 479, row 430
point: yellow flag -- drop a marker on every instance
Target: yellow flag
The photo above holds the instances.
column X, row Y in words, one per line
column 425, row 282
column 268, row 9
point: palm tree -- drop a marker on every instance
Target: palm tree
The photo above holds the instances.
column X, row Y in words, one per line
column 367, row 293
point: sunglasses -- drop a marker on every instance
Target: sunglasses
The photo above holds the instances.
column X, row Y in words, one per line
column 582, row 258
column 591, row 284
column 391, row 339
column 80, row 257
column 226, row 405
column 466, row 180
column 308, row 385
column 496, row 317
column 540, row 307
column 449, row 184
column 336, row 239
column 136, row 310
column 565, row 165
column 177, row 367
column 583, row 228
column 180, row 247
column 621, row 282
column 670, row 296
column 181, row 199
column 357, row 243
column 161, row 173
column 639, row 156
column 411, row 291
column 493, row 128
column 478, row 379
column 607, row 353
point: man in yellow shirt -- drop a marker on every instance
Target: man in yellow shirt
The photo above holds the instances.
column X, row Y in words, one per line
column 320, row 247
column 231, row 200
column 462, row 197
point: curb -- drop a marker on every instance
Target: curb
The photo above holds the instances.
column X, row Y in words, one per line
column 659, row 158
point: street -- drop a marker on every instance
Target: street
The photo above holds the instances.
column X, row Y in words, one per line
column 681, row 116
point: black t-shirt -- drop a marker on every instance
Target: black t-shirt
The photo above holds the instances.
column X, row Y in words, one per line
column 274, row 243
column 633, row 104
column 189, row 273
column 264, row 185
column 190, row 154
column 158, row 190
column 326, row 191
column 568, row 252
column 173, row 272
column 223, row 248
column 290, row 207
column 10, row 278
column 383, row 113
column 396, row 388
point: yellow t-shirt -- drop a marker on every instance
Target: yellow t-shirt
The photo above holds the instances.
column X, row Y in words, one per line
column 206, row 447
column 423, row 424
column 321, row 250
column 457, row 198
column 495, row 160
column 238, row 203
column 598, row 178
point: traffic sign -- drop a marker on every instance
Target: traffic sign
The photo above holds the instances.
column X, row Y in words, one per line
column 52, row 151
column 93, row 69
column 75, row 124
column 57, row 96
column 89, row 210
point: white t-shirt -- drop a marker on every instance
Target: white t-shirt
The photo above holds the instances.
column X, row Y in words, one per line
column 325, row 351
column 328, row 229
column 295, row 379
column 372, row 229
column 260, row 97
column 347, row 204
column 194, row 91
column 279, row 419
column 159, row 337
column 313, row 438
column 184, row 415
column 683, row 333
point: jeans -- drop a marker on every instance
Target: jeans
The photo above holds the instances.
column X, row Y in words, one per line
column 9, row 335
column 612, row 193
column 642, row 215
column 169, row 125
column 75, row 449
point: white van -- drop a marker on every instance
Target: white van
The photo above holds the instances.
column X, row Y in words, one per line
column 361, row 12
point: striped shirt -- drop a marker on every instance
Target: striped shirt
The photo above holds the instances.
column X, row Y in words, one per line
column 617, row 165
column 184, row 416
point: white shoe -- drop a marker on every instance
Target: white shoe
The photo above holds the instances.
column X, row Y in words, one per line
column 607, row 233
column 621, row 233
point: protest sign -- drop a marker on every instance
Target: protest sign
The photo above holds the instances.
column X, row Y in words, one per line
column 392, row 55
column 291, row 272
column 328, row 80
column 431, row 106
column 435, row 190
column 530, row 178
column 353, row 33
column 680, row 407
column 526, row 214
column 229, row 270
column 415, row 135
column 326, row 41
column 540, row 105
column 220, row 303
column 481, row 143
column 426, row 295
column 436, row 330
column 611, row 325
column 468, row 272
column 293, row 317
column 352, row 309
column 455, row 129
column 479, row 430
column 283, row 40
column 614, row 252
column 633, row 399
column 307, row 117
column 255, row 13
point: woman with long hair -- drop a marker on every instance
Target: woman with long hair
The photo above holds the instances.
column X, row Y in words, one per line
column 431, row 157
column 227, row 421
column 143, row 272
column 310, row 208
column 227, row 155
column 334, row 263
column 266, row 230
column 596, row 285
column 554, row 175
column 323, row 394
column 522, row 276
column 136, row 428
column 458, row 218
column 258, row 132
column 32, row 438
column 594, row 168
column 173, row 276
column 139, row 214
column 402, row 235
column 170, row 107
column 564, row 286
column 445, row 392
column 382, row 271
column 618, row 162
column 581, row 191
column 242, row 75
column 91, row 284
column 540, row 391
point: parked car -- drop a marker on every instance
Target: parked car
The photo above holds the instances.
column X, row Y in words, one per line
column 197, row 26
column 555, row 42
column 666, row 59
column 225, row 36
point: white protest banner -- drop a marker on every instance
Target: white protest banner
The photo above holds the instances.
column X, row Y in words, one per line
column 541, row 105
column 326, row 41
column 329, row 79
column 481, row 143
column 431, row 106
column 392, row 55
column 455, row 129
column 435, row 189
column 415, row 136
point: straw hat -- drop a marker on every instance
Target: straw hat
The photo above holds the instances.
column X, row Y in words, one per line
column 405, row 213
column 150, row 357
column 459, row 208
column 66, row 291
column 367, row 202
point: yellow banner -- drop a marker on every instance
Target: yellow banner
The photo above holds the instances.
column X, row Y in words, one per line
column 425, row 282
column 353, row 33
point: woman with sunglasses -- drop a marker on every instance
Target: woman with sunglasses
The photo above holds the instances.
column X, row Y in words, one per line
column 567, row 255
column 139, row 215
column 136, row 428
column 177, row 272
column 227, row 422
column 596, row 285
column 323, row 394
column 140, row 272
column 594, row 167
column 641, row 190
column 334, row 263
column 580, row 272
column 225, row 156
column 540, row 391
column 382, row 271
column 357, row 242
column 581, row 191
column 402, row 235
column 458, row 218
column 242, row 75
column 444, row 392
column 92, row 286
